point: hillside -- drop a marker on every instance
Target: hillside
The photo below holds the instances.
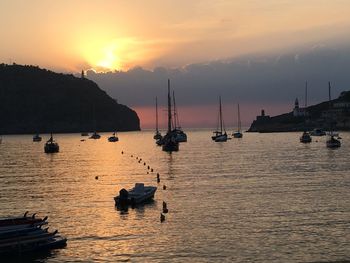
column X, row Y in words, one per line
column 323, row 115
column 38, row 100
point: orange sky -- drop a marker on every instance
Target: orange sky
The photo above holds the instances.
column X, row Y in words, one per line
column 69, row 35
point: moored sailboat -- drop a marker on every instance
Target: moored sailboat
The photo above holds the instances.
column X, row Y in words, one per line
column 238, row 133
column 331, row 142
column 169, row 140
column 305, row 137
column 181, row 136
column 157, row 135
column 220, row 135
column 113, row 138
column 51, row 146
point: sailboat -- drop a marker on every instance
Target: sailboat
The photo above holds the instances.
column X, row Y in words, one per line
column 169, row 140
column 238, row 133
column 305, row 137
column 113, row 138
column 36, row 138
column 157, row 135
column 332, row 142
column 94, row 135
column 51, row 146
column 180, row 135
column 219, row 136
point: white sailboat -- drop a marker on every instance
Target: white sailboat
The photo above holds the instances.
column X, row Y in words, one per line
column 180, row 135
column 238, row 133
column 157, row 135
column 305, row 137
column 220, row 135
column 331, row 142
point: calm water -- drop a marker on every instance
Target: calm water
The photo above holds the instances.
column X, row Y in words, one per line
column 263, row 198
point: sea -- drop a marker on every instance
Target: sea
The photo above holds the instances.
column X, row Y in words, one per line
column 263, row 198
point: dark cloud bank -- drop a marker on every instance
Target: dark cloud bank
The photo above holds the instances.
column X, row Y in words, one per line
column 254, row 80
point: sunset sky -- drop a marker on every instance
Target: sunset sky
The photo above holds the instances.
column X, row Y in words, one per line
column 109, row 35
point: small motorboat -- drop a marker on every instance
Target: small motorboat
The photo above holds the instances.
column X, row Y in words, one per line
column 84, row 134
column 95, row 136
column 305, row 137
column 51, row 146
column 113, row 138
column 237, row 135
column 36, row 138
column 318, row 132
column 333, row 143
column 137, row 195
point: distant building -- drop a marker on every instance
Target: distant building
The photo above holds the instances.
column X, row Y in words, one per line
column 297, row 111
column 262, row 117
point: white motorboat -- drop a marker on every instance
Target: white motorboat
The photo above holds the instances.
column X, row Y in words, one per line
column 137, row 195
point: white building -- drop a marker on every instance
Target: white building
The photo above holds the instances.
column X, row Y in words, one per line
column 297, row 111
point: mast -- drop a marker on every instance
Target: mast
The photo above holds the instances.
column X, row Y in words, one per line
column 157, row 115
column 169, row 108
column 239, row 120
column 175, row 113
column 220, row 115
column 305, row 95
column 330, row 108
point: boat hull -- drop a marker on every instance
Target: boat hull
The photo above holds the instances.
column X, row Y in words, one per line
column 237, row 135
column 221, row 138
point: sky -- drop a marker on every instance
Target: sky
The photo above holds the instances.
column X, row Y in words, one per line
column 257, row 53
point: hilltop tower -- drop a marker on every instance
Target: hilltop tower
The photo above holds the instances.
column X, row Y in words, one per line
column 82, row 74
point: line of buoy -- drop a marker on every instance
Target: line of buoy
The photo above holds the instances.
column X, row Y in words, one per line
column 165, row 209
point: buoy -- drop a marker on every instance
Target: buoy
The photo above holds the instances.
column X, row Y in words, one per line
column 164, row 187
column 96, row 177
column 162, row 217
column 148, row 167
column 147, row 172
column 122, row 152
column 152, row 170
column 165, row 208
column 144, row 163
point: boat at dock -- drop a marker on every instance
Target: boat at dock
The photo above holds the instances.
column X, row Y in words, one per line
column 137, row 195
column 20, row 235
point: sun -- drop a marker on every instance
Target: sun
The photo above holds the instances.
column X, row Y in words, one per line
column 103, row 57
column 109, row 61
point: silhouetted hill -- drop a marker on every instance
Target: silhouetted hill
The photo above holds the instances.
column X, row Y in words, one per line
column 323, row 115
column 38, row 100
